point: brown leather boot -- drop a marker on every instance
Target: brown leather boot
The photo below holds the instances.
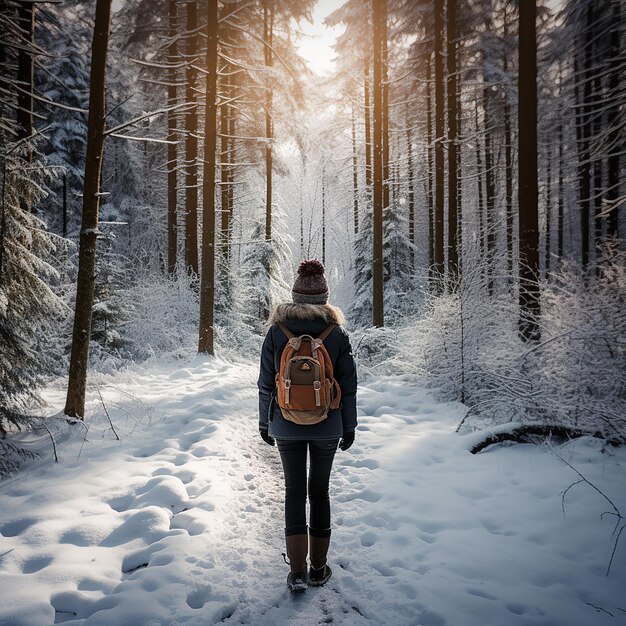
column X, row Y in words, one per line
column 297, row 548
column 319, row 572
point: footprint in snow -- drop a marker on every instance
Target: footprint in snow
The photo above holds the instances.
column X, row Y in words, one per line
column 368, row 539
column 199, row 597
column 36, row 564
column 368, row 463
column 366, row 494
column 13, row 529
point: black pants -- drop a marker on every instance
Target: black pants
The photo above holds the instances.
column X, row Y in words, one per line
column 293, row 455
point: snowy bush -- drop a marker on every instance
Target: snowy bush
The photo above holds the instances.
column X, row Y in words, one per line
column 466, row 346
column 582, row 359
column 163, row 317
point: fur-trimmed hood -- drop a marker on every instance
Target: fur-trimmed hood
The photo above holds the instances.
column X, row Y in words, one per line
column 293, row 311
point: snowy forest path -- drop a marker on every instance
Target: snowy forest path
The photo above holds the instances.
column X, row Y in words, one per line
column 181, row 521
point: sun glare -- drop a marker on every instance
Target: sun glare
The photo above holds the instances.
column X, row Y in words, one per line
column 316, row 43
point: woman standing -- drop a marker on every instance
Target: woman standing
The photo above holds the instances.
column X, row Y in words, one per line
column 310, row 315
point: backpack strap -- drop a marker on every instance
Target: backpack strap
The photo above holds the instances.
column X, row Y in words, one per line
column 323, row 335
column 286, row 331
column 329, row 329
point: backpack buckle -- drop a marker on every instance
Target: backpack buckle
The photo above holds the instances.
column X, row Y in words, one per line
column 317, row 385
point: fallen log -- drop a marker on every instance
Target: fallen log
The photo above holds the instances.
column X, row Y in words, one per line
column 525, row 433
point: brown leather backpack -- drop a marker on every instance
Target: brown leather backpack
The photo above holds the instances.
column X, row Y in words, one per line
column 306, row 389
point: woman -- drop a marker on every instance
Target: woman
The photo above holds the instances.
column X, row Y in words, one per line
column 309, row 314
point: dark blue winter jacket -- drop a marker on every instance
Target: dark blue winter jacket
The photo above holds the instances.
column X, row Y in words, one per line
column 307, row 319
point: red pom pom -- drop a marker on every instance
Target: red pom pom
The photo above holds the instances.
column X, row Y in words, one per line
column 311, row 267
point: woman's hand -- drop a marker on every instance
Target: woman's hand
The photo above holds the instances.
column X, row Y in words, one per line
column 268, row 440
column 346, row 441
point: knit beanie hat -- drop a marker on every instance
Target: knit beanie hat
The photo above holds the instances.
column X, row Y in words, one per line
column 311, row 286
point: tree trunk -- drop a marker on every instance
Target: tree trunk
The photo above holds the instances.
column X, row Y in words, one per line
column 232, row 116
column 439, row 268
column 172, row 172
column 355, row 176
column 268, row 28
column 191, row 145
column 225, row 156
column 528, row 193
column 323, row 218
column 453, row 157
column 25, row 72
column 378, row 10
column 385, row 106
column 431, row 173
column 548, row 208
column 64, row 231
column 207, row 284
column 613, row 170
column 480, row 209
column 508, row 160
column 368, row 133
column 583, row 132
column 561, row 202
column 599, row 122
column 26, row 79
column 490, row 187
column 411, row 186
column 75, row 402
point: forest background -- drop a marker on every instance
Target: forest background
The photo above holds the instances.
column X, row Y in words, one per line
column 459, row 172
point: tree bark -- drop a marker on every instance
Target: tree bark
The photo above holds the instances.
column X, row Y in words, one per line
column 26, row 72
column 26, row 80
column 77, row 383
column 172, row 162
column 191, row 145
column 453, row 156
column 599, row 122
column 480, row 209
column 355, row 176
column 323, row 218
column 616, row 146
column 439, row 268
column 368, row 133
column 528, row 192
column 508, row 160
column 378, row 10
column 548, row 209
column 268, row 32
column 225, row 154
column 207, row 284
column 561, row 201
column 385, row 106
column 490, row 187
column 431, row 173
column 411, row 185
column 583, row 132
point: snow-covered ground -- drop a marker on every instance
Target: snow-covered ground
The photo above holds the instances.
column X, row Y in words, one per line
column 181, row 521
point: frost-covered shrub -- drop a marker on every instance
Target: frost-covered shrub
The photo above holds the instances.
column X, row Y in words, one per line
column 582, row 357
column 163, row 317
column 465, row 345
